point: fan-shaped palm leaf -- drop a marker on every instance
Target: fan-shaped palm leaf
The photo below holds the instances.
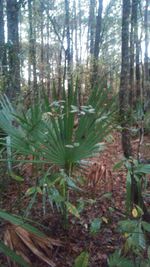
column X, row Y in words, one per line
column 51, row 135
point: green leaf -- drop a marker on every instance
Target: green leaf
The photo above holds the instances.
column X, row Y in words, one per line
column 148, row 252
column 82, row 260
column 95, row 226
column 81, row 205
column 118, row 165
column 10, row 253
column 128, row 191
column 33, row 190
column 16, row 177
column 128, row 226
column 143, row 168
column 116, row 260
column 72, row 209
column 146, row 226
column 20, row 221
column 72, row 184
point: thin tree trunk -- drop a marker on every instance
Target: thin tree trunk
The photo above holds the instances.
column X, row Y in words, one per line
column 76, row 34
column 146, row 59
column 124, row 80
column 137, row 44
column 146, row 20
column 30, row 43
column 80, row 32
column 48, row 52
column 132, row 57
column 13, row 48
column 32, row 77
column 92, row 25
column 42, row 45
column 3, row 61
column 34, row 51
column 97, row 43
column 68, row 37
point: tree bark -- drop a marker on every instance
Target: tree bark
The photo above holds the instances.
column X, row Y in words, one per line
column 97, row 43
column 137, row 45
column 68, row 38
column 146, row 59
column 48, row 51
column 32, row 76
column 3, row 61
column 132, row 57
column 92, row 24
column 42, row 46
column 13, row 49
column 124, row 80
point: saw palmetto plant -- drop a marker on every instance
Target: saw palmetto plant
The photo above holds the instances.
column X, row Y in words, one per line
column 59, row 132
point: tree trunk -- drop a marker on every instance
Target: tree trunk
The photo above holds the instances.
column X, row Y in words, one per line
column 34, row 63
column 80, row 31
column 124, row 80
column 68, row 38
column 32, row 77
column 13, row 49
column 97, row 43
column 48, row 52
column 146, row 59
column 42, row 46
column 76, row 34
column 137, row 44
column 132, row 57
column 136, row 194
column 3, row 62
column 92, row 25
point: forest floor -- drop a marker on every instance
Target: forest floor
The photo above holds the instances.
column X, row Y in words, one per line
column 110, row 208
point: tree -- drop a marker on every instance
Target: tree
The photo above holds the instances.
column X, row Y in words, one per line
column 124, row 80
column 32, row 75
column 3, row 63
column 68, row 39
column 97, row 42
column 136, row 193
column 132, row 53
column 146, row 59
column 42, row 44
column 135, row 72
column 92, row 25
column 137, row 45
column 13, row 48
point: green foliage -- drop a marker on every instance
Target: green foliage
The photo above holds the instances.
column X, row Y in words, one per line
column 135, row 246
column 82, row 260
column 95, row 226
column 147, row 122
column 14, row 257
column 135, row 173
column 17, row 220
column 133, row 230
column 135, row 236
column 116, row 260
column 48, row 132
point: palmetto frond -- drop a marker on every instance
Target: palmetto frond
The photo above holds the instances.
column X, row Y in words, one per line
column 49, row 133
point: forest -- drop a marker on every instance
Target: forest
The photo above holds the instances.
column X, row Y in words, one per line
column 75, row 133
